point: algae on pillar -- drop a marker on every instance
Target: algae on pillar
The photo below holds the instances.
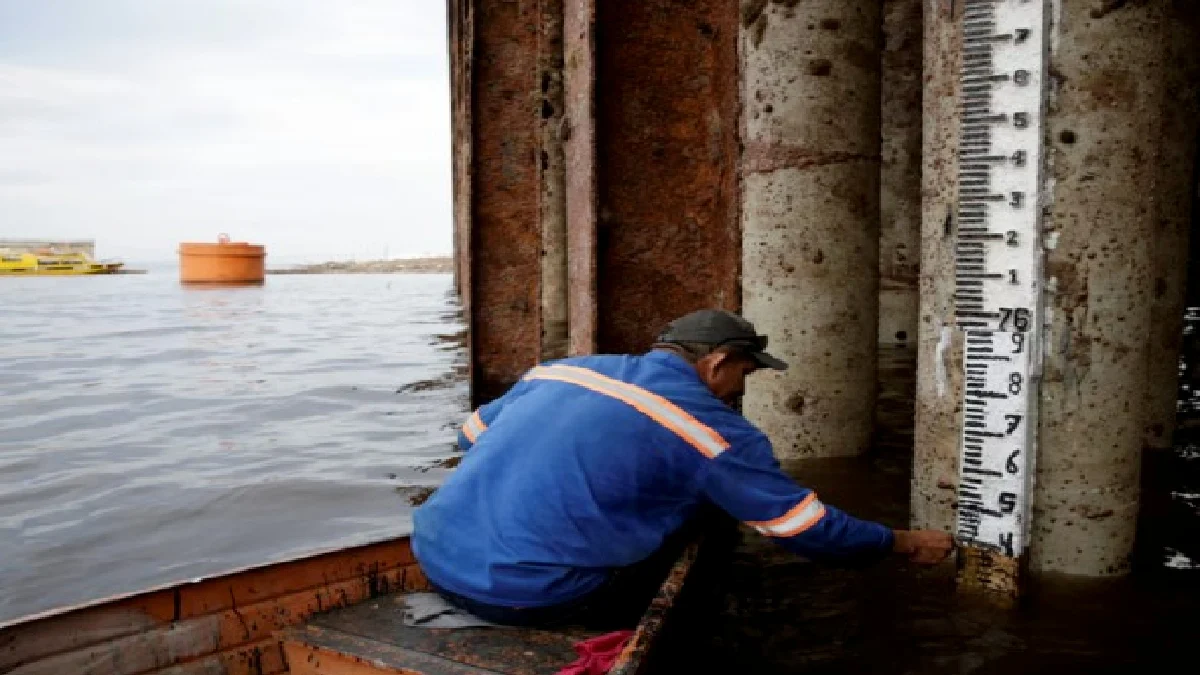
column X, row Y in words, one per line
column 810, row 93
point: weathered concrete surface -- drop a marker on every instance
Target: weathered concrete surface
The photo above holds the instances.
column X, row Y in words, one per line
column 1108, row 66
column 1105, row 119
column 810, row 217
column 552, row 198
column 666, row 161
column 940, row 346
column 579, row 131
column 504, row 252
column 900, row 181
column 1175, row 185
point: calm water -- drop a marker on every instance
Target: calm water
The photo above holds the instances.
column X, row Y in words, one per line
column 150, row 433
column 779, row 614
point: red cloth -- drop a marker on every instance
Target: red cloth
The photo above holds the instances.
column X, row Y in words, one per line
column 597, row 655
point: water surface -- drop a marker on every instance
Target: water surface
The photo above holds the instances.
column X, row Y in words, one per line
column 151, row 433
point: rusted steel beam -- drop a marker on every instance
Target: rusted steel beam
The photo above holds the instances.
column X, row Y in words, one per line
column 666, row 112
column 552, row 203
column 652, row 146
column 501, row 125
column 461, row 23
column 579, row 131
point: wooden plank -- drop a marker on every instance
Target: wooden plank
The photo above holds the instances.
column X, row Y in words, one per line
column 261, row 658
column 200, row 637
column 375, row 632
column 513, row 651
column 319, row 651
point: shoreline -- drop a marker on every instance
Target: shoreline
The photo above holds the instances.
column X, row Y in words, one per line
column 436, row 265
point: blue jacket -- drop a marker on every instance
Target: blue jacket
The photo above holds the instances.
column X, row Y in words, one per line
column 588, row 463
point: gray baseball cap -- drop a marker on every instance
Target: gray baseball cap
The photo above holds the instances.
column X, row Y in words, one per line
column 719, row 327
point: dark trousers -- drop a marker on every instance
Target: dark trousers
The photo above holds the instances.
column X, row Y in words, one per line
column 617, row 604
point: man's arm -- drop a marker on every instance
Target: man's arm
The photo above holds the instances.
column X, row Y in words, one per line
column 751, row 487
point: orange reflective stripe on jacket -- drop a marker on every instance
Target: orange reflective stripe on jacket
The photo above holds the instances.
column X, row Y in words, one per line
column 799, row 518
column 474, row 427
column 697, row 434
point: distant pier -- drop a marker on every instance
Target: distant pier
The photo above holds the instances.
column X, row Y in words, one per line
column 436, row 265
column 85, row 246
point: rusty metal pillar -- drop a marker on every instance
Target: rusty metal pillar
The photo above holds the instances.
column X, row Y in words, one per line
column 596, row 180
column 552, row 197
column 666, row 154
column 507, row 199
column 461, row 25
column 810, row 215
column 579, row 131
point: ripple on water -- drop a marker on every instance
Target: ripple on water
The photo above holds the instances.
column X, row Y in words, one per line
column 150, row 433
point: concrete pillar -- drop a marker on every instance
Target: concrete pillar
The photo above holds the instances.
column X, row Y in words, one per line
column 1175, row 213
column 900, row 180
column 939, row 345
column 810, row 76
column 1105, row 123
column 1107, row 68
column 666, row 123
column 1175, row 183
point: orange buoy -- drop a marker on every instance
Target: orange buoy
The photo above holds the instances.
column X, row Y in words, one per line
column 226, row 263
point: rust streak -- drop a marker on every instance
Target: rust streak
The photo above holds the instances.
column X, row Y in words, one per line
column 233, row 608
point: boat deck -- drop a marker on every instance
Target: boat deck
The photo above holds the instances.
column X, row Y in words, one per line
column 371, row 638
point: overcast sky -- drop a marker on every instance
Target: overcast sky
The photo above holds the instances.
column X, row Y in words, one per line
column 317, row 127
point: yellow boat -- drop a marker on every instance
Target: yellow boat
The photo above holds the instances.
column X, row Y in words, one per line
column 53, row 264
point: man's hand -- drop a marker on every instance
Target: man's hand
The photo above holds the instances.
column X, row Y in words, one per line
column 924, row 547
